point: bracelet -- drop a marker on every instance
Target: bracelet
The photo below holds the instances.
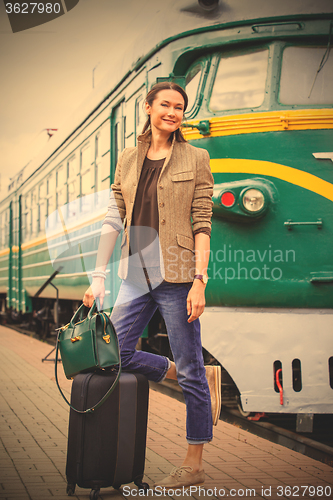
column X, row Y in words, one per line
column 98, row 274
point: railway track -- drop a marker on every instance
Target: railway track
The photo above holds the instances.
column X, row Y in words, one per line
column 278, row 430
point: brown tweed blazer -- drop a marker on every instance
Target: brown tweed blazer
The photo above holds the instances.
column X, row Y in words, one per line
column 184, row 194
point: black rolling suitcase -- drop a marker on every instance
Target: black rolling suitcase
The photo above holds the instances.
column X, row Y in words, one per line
column 107, row 447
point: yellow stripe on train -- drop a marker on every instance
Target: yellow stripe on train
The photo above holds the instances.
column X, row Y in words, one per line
column 269, row 121
column 267, row 168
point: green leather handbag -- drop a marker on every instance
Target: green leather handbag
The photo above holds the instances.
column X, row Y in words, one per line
column 88, row 345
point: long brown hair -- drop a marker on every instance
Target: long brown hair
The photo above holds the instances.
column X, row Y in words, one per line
column 151, row 96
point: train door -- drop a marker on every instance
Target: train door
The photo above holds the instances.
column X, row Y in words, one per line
column 14, row 285
column 118, row 122
column 135, row 116
column 117, row 145
column 10, row 294
column 15, row 253
column 19, row 257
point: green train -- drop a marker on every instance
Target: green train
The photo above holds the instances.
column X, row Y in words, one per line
column 261, row 102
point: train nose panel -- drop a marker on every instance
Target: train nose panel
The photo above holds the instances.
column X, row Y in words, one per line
column 252, row 344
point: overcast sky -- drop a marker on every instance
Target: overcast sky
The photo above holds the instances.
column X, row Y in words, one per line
column 46, row 71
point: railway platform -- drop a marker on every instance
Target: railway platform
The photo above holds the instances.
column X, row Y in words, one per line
column 33, row 433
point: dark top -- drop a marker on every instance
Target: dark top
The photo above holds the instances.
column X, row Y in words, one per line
column 145, row 210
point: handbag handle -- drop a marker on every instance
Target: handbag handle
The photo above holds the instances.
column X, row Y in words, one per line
column 80, row 310
column 79, row 313
column 107, row 394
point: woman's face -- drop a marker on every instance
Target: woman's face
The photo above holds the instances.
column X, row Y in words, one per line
column 166, row 112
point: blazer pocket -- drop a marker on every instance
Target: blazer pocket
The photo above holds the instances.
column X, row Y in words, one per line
column 182, row 176
column 185, row 242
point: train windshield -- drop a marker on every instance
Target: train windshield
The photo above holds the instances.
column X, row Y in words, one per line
column 192, row 84
column 306, row 76
column 240, row 81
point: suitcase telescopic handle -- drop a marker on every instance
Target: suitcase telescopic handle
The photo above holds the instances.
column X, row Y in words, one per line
column 101, row 401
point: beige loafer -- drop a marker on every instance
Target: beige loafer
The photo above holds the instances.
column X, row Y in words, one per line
column 213, row 374
column 181, row 477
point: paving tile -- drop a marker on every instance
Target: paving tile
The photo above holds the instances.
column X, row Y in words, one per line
column 34, row 424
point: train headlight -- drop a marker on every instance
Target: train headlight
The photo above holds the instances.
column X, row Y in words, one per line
column 245, row 200
column 253, row 200
column 228, row 199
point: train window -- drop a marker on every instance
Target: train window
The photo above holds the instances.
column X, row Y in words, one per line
column 86, row 172
column 87, row 179
column 50, row 195
column 26, row 213
column 72, row 168
column 104, row 140
column 240, row 81
column 6, row 229
column 50, row 201
column 97, row 145
column 193, row 78
column 306, row 76
column 34, row 213
column 119, row 131
column 3, row 227
column 130, row 122
column 103, row 172
column 61, row 197
column 41, row 207
column 73, row 187
column 102, row 158
column 140, row 115
column 2, row 230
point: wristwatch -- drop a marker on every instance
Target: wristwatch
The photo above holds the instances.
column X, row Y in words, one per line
column 202, row 277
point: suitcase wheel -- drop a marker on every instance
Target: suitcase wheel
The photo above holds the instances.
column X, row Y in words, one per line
column 143, row 486
column 94, row 494
column 70, row 489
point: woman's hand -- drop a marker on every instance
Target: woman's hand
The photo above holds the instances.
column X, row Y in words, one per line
column 96, row 290
column 196, row 300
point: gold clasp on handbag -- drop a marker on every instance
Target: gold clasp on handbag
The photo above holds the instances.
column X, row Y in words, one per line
column 75, row 339
column 106, row 338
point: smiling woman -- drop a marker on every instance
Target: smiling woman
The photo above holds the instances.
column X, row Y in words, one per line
column 165, row 106
column 164, row 184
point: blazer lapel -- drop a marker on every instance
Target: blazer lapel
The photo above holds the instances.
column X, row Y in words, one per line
column 142, row 152
column 167, row 159
column 143, row 146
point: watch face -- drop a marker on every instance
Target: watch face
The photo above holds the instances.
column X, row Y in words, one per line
column 203, row 278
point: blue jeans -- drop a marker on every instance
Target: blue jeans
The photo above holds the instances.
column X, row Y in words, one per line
column 130, row 316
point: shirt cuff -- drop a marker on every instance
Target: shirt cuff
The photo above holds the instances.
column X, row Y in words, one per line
column 113, row 224
column 205, row 230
